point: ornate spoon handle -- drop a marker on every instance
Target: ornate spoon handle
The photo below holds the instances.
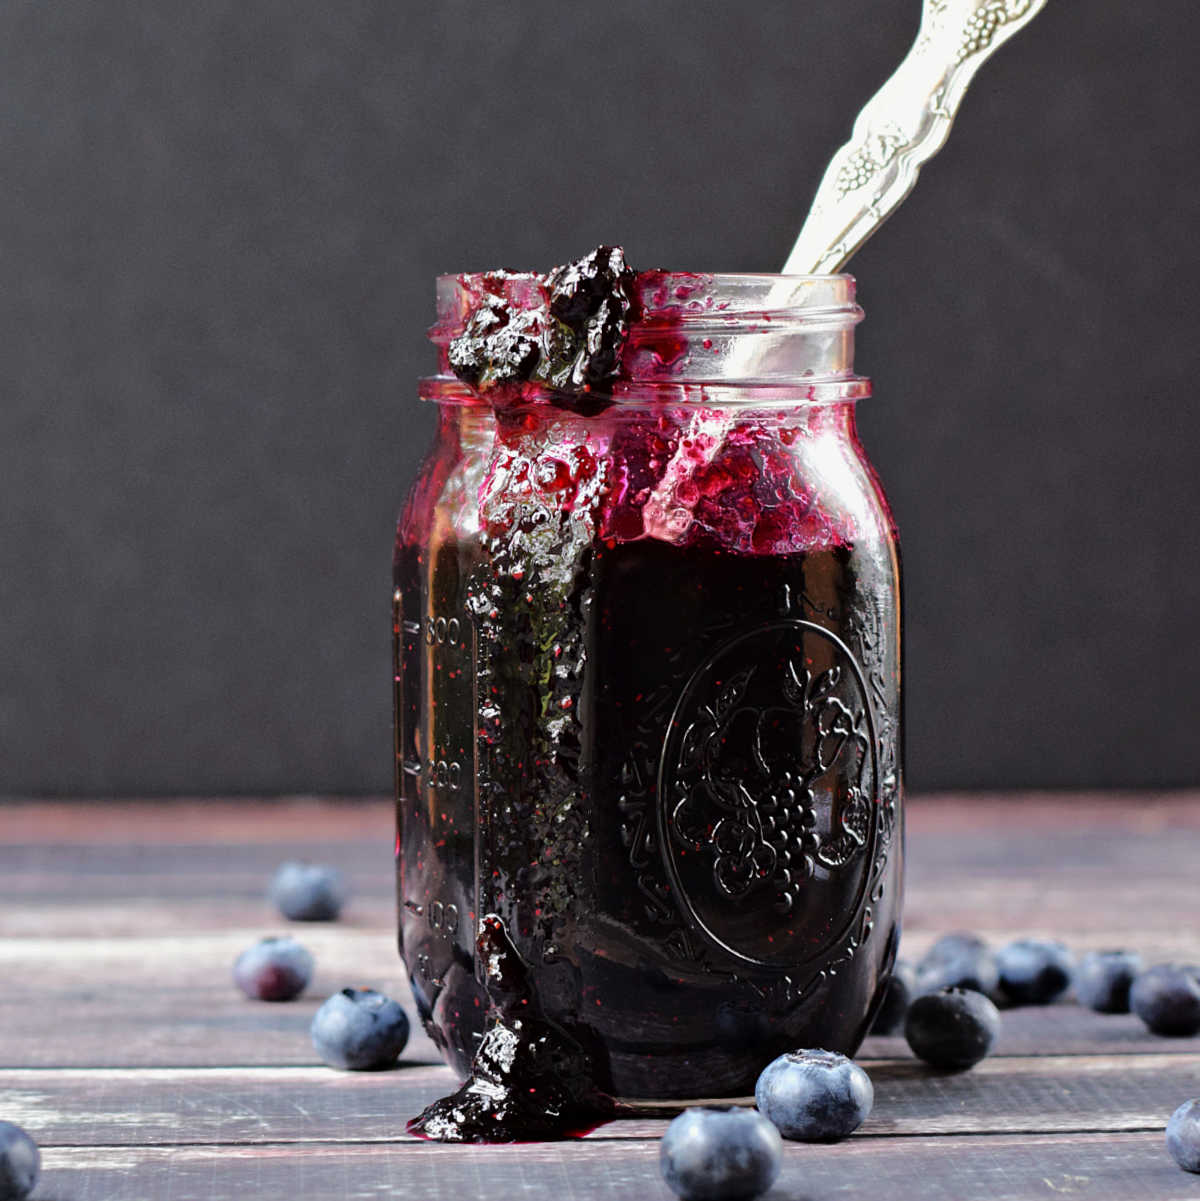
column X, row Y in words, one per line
column 902, row 126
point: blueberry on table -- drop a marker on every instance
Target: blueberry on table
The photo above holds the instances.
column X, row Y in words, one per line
column 360, row 1030
column 719, row 1153
column 958, row 961
column 308, row 892
column 1183, row 1136
column 1167, row 998
column 898, row 994
column 952, row 1028
column 1102, row 980
column 814, row 1096
column 1034, row 971
column 20, row 1163
column 273, row 969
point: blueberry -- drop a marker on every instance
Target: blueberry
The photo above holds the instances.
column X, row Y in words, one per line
column 359, row 1029
column 564, row 329
column 719, row 1153
column 1183, row 1136
column 308, row 892
column 1102, row 979
column 20, row 1163
column 814, row 1096
column 958, row 961
column 1034, row 971
column 1167, row 998
column 899, row 992
column 952, row 1028
column 273, row 969
column 593, row 299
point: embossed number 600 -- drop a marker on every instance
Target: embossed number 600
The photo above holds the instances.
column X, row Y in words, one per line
column 440, row 632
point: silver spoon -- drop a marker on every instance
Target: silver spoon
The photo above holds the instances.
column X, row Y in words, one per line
column 902, row 126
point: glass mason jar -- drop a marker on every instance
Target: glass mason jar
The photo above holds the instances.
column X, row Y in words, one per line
column 648, row 694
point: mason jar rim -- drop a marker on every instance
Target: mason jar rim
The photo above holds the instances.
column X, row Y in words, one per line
column 684, row 296
column 754, row 331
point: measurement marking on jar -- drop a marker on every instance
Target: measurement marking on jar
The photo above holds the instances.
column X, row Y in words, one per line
column 443, row 918
column 444, row 775
column 441, row 631
column 412, row 627
column 412, row 767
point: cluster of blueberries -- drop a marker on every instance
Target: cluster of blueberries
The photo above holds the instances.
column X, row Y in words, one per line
column 724, row 1152
column 1037, row 971
column 944, row 1006
column 356, row 1029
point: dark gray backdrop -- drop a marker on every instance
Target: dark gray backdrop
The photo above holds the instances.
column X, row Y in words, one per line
column 219, row 228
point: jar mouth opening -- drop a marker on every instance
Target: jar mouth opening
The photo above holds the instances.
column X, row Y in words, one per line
column 673, row 297
column 686, row 328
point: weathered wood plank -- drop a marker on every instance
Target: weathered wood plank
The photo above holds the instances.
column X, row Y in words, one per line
column 315, row 821
column 327, row 819
column 169, row 1106
column 86, row 873
column 1082, row 914
column 169, row 1001
column 1063, row 1029
column 1100, row 1167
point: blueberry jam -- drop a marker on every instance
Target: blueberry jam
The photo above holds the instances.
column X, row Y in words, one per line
column 647, row 663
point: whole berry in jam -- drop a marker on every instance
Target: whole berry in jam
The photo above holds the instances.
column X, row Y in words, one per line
column 273, row 969
column 498, row 346
column 1167, row 998
column 593, row 299
column 359, row 1030
column 719, row 1153
column 1034, row 971
column 564, row 330
column 1183, row 1136
column 814, row 1096
column 898, row 994
column 958, row 960
column 952, row 1028
column 20, row 1163
column 308, row 892
column 1102, row 980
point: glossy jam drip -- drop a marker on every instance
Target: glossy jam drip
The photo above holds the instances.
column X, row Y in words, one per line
column 531, row 1081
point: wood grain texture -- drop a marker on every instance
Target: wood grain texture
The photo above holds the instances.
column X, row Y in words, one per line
column 171, row 1106
column 126, row 1051
column 1095, row 1167
column 128, row 1019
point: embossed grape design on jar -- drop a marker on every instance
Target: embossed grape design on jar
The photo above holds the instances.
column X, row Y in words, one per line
column 647, row 643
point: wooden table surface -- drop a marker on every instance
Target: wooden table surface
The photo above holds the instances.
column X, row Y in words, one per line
column 128, row 1055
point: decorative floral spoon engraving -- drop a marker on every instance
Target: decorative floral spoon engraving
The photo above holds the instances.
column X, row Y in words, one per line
column 902, row 126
